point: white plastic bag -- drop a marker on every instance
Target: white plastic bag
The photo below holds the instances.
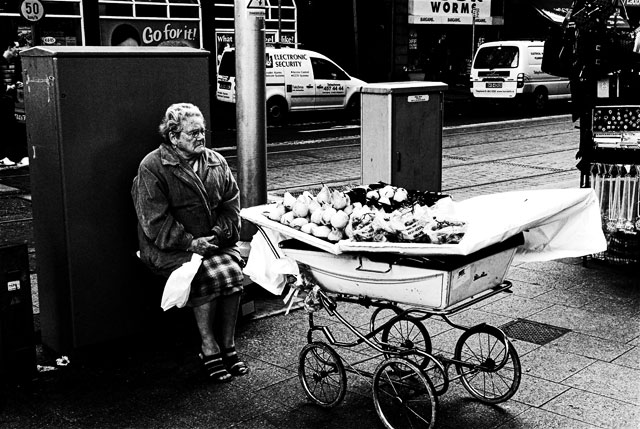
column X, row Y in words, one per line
column 176, row 290
column 267, row 266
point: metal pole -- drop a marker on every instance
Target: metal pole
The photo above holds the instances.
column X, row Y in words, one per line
column 279, row 21
column 474, row 12
column 251, row 122
column 355, row 37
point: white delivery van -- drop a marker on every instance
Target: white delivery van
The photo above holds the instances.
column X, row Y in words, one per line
column 512, row 69
column 296, row 80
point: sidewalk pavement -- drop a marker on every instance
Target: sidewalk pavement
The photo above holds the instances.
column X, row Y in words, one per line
column 578, row 342
column 587, row 377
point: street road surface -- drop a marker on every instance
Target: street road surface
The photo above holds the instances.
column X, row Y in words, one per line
column 494, row 157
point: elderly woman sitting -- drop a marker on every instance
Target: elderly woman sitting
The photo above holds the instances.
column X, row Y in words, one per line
column 187, row 201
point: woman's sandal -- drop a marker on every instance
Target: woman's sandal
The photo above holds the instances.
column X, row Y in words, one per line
column 215, row 369
column 233, row 363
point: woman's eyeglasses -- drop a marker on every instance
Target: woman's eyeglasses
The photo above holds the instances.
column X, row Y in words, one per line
column 194, row 134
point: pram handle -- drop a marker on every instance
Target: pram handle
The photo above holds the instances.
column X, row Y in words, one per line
column 360, row 268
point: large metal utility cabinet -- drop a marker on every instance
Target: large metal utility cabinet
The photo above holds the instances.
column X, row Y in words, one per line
column 92, row 115
column 402, row 134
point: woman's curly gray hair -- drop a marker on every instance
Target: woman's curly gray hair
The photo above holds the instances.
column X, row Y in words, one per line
column 173, row 117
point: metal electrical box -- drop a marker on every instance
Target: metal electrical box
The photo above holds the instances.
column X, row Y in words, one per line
column 17, row 346
column 401, row 133
column 92, row 115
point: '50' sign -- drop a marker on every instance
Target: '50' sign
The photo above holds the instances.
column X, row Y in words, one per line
column 32, row 10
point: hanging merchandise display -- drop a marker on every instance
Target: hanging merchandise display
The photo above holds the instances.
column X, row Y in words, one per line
column 596, row 48
column 618, row 189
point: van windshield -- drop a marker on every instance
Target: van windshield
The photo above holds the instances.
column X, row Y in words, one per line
column 497, row 57
column 228, row 64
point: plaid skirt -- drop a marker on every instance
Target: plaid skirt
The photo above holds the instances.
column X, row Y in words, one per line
column 218, row 275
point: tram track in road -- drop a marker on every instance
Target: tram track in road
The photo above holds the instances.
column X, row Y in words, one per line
column 296, row 138
column 507, row 154
column 518, row 170
column 282, row 154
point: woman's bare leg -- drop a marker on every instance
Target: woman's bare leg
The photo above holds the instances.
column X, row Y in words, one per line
column 205, row 315
column 227, row 316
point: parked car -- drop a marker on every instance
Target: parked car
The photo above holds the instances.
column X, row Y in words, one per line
column 512, row 69
column 296, row 80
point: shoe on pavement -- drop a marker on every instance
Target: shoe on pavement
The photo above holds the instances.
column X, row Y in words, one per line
column 23, row 162
column 6, row 162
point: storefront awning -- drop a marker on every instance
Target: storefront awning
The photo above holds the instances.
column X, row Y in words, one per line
column 553, row 10
column 556, row 10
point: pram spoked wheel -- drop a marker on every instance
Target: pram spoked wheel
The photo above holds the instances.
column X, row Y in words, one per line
column 492, row 369
column 403, row 396
column 409, row 334
column 322, row 374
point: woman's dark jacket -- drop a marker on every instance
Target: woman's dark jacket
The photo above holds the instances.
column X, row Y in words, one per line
column 174, row 206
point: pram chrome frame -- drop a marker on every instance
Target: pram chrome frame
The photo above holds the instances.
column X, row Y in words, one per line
column 410, row 377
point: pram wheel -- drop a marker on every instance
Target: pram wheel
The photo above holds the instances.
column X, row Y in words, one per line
column 437, row 373
column 408, row 334
column 492, row 370
column 403, row 396
column 322, row 374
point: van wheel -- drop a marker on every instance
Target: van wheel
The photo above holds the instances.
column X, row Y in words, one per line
column 540, row 99
column 353, row 107
column 276, row 110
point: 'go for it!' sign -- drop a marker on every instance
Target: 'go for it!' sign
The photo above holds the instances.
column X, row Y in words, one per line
column 449, row 11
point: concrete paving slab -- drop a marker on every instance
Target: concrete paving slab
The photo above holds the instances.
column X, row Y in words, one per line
column 589, row 323
column 607, row 284
column 591, row 347
column 523, row 347
column 595, row 409
column 445, row 342
column 458, row 409
column 472, row 317
column 630, row 359
column 608, row 379
column 616, row 306
column 556, row 275
column 354, row 411
column 277, row 340
column 515, row 307
column 576, row 297
column 280, row 419
column 524, row 273
column 260, row 422
column 535, row 418
column 536, row 391
column 237, row 406
column 436, row 326
column 262, row 374
column 552, row 363
column 526, row 289
column 356, row 314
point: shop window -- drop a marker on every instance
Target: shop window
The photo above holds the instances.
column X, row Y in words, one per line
column 287, row 13
column 179, row 11
column 62, row 8
column 281, row 17
column 115, row 9
column 150, row 10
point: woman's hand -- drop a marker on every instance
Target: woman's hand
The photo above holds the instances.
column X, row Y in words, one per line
column 204, row 245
